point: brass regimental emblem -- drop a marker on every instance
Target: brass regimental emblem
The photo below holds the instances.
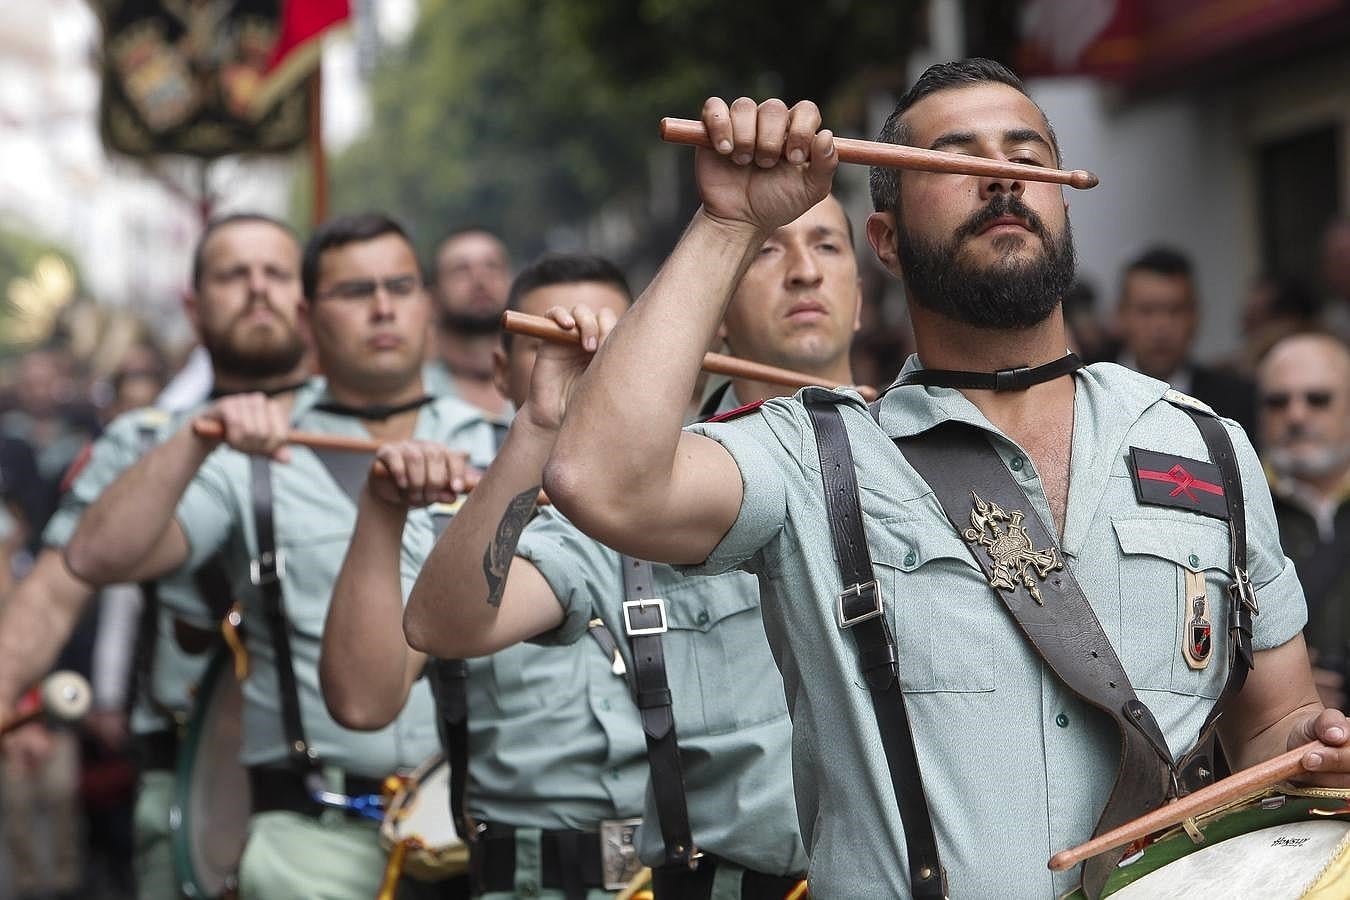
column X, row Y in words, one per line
column 1008, row 545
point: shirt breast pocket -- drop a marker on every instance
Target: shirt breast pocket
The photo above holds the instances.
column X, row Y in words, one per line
column 1162, row 563
column 943, row 611
column 718, row 659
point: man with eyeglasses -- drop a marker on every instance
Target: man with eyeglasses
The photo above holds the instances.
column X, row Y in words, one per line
column 1304, row 387
column 281, row 517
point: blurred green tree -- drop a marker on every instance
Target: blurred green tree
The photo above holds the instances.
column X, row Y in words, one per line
column 526, row 117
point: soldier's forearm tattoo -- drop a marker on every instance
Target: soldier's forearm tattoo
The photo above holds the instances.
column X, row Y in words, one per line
column 497, row 557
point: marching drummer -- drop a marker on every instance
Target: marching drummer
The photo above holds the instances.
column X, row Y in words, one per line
column 963, row 695
column 551, row 794
column 720, row 819
column 281, row 518
column 246, row 269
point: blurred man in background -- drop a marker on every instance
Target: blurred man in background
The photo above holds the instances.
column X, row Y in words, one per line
column 470, row 275
column 1156, row 316
column 1304, row 385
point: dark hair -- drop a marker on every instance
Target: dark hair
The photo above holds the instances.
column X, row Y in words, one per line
column 339, row 232
column 1291, row 296
column 885, row 182
column 564, row 268
column 1158, row 260
column 199, row 252
column 454, row 234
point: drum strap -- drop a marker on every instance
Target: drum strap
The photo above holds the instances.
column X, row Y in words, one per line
column 265, row 572
column 644, row 620
column 861, row 613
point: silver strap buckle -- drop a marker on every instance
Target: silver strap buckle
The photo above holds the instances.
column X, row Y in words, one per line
column 862, row 592
column 1243, row 590
column 618, row 853
column 267, row 569
column 629, row 606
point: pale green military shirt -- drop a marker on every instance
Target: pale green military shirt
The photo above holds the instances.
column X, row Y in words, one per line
column 554, row 740
column 313, row 515
column 730, row 713
column 1015, row 767
column 174, row 672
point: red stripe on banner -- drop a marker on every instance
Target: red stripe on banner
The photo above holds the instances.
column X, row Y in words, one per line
column 1182, row 480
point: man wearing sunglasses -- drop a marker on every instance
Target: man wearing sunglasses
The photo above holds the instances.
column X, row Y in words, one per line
column 281, row 518
column 1304, row 386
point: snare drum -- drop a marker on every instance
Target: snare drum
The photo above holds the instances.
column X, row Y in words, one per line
column 1289, row 842
column 212, row 797
column 418, row 820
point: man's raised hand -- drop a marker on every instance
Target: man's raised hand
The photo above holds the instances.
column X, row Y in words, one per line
column 418, row 473
column 253, row 423
column 768, row 163
column 557, row 367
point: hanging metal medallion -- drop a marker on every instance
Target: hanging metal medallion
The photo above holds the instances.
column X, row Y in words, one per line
column 1009, row 546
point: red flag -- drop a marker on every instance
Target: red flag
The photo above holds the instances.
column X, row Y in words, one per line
column 299, row 44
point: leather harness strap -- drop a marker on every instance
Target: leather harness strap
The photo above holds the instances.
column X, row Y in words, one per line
column 265, row 572
column 644, row 619
column 861, row 611
column 1063, row 629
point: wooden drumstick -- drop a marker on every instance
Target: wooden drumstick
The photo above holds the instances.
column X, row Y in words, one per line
column 65, row 698
column 1259, row 777
column 873, row 153
column 717, row 363
column 212, row 430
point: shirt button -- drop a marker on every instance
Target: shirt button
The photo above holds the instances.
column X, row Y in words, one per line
column 604, row 704
column 1194, row 561
column 1016, row 463
column 910, row 558
column 1062, row 720
column 702, row 617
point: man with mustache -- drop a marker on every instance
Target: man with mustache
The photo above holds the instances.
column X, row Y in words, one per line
column 281, row 518
column 1304, row 389
column 244, row 306
column 967, row 677
column 471, row 274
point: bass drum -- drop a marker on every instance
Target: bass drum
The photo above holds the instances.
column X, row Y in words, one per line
column 1288, row 843
column 418, row 824
column 212, row 796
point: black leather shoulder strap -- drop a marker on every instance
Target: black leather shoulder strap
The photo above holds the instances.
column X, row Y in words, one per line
column 644, row 618
column 1200, row 764
column 265, row 572
column 147, row 626
column 860, row 609
column 450, row 686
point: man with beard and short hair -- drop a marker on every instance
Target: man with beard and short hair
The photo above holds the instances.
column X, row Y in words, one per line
column 922, row 672
column 471, row 275
column 243, row 305
column 280, row 517
column 1304, row 386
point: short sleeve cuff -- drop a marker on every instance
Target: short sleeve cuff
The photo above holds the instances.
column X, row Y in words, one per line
column 546, row 554
column 763, row 500
column 1283, row 610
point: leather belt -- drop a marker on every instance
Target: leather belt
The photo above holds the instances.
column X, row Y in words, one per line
column 285, row 790
column 683, row 883
column 569, row 861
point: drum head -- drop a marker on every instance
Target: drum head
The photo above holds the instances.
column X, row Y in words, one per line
column 213, row 800
column 420, row 815
column 1280, row 863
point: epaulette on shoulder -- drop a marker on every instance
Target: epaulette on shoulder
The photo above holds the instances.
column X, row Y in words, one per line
column 1177, row 398
column 736, row 413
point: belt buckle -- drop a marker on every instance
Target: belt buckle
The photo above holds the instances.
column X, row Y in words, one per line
column 634, row 630
column 619, row 862
column 1243, row 591
column 860, row 591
